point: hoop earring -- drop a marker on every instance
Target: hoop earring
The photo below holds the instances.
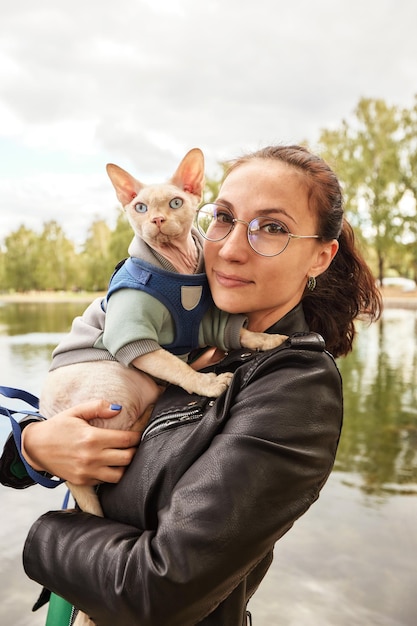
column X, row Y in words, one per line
column 311, row 283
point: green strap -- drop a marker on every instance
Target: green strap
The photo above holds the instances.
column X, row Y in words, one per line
column 59, row 611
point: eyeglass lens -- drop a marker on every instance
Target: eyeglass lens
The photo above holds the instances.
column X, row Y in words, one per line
column 266, row 235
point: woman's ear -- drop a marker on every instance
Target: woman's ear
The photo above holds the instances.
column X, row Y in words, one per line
column 325, row 256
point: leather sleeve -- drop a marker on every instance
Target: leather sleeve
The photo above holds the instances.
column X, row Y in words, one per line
column 12, row 471
column 261, row 471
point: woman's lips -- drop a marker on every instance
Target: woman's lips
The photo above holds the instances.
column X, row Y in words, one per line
column 230, row 280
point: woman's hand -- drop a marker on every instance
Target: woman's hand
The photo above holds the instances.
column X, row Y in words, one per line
column 67, row 446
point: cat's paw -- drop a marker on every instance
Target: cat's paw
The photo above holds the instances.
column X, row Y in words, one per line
column 267, row 342
column 219, row 384
column 260, row 341
column 210, row 384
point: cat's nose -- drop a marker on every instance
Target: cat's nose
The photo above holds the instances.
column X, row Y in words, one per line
column 158, row 220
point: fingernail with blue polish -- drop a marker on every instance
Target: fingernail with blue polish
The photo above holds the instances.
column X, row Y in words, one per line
column 115, row 407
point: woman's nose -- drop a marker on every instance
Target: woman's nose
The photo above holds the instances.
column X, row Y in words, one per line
column 236, row 245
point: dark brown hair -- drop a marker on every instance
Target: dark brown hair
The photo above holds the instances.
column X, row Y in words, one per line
column 347, row 289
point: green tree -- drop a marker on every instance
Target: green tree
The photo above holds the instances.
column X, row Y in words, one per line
column 120, row 239
column 96, row 263
column 409, row 121
column 21, row 259
column 57, row 267
column 409, row 164
column 367, row 155
column 2, row 270
column 212, row 186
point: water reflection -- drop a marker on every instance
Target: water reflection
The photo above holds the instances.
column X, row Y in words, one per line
column 28, row 334
column 379, row 439
column 20, row 318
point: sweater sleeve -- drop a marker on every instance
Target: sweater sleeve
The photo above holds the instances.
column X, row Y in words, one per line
column 82, row 343
column 221, row 329
column 262, row 470
column 136, row 323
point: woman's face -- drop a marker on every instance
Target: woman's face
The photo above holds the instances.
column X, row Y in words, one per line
column 242, row 281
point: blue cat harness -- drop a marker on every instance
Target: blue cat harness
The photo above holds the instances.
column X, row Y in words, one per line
column 186, row 296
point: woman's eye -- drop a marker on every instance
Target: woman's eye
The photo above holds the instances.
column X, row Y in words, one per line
column 140, row 207
column 274, row 228
column 224, row 218
column 176, row 203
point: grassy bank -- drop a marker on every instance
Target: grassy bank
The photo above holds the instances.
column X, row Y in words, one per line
column 50, row 296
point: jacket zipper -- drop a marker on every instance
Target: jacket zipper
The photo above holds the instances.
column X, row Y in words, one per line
column 71, row 621
column 166, row 421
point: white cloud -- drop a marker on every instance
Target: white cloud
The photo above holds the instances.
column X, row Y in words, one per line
column 73, row 200
column 140, row 82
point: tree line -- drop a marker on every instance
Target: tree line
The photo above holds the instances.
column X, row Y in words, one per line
column 375, row 157
column 374, row 153
column 50, row 261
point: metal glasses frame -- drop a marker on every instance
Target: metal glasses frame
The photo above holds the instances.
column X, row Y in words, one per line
column 235, row 220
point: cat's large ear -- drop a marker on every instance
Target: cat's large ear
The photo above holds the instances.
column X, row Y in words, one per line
column 190, row 173
column 125, row 185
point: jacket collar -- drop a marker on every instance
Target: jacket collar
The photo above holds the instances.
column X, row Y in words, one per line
column 293, row 322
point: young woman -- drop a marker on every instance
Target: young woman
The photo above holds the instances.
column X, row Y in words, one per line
column 193, row 513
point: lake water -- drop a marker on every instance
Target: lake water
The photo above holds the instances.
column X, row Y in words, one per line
column 351, row 560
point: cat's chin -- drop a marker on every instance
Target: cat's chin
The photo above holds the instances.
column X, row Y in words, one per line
column 161, row 240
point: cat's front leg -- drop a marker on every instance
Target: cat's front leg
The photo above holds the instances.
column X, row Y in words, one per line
column 166, row 366
column 83, row 620
column 260, row 341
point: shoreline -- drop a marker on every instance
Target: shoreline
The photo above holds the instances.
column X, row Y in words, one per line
column 395, row 302
column 50, row 296
column 392, row 298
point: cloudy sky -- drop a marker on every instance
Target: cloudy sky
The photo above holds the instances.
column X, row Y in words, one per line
column 139, row 82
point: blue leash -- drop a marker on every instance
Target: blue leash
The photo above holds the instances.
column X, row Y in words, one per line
column 33, row 401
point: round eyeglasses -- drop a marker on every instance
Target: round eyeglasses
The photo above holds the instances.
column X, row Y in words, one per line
column 266, row 235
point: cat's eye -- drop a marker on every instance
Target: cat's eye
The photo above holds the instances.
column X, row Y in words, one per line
column 176, row 203
column 140, row 207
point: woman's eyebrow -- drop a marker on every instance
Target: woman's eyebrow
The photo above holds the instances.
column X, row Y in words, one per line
column 278, row 211
column 267, row 212
column 224, row 203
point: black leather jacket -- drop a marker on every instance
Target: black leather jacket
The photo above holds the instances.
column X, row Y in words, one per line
column 191, row 527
